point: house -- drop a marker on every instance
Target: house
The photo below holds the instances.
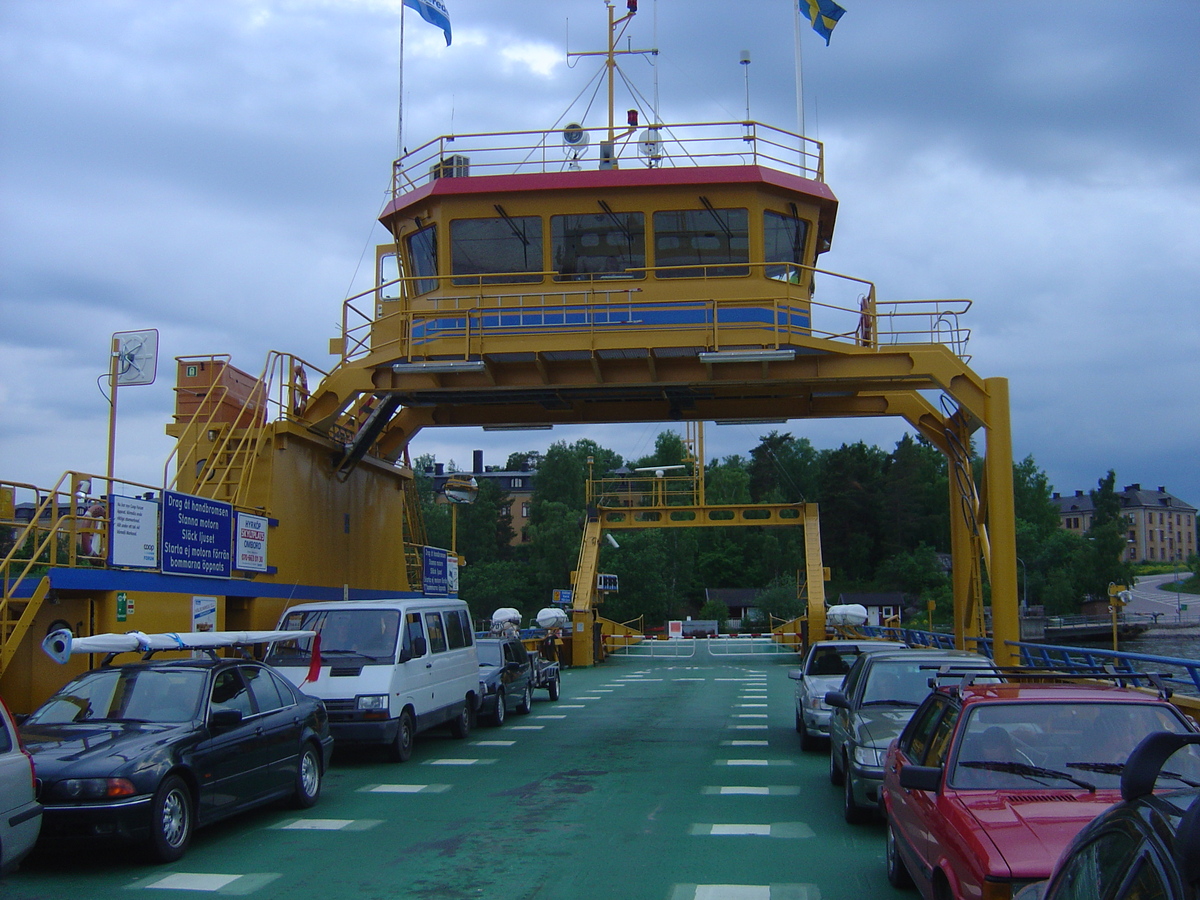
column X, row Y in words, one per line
column 1161, row 527
column 518, row 485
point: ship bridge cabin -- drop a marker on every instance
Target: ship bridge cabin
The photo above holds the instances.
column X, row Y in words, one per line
column 519, row 245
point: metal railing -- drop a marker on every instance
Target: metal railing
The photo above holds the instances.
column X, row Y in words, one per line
column 668, row 145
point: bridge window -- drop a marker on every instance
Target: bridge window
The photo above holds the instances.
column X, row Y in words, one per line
column 707, row 238
column 784, row 238
column 389, row 272
column 422, row 255
column 601, row 245
column 501, row 250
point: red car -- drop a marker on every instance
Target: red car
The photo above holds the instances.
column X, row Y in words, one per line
column 989, row 783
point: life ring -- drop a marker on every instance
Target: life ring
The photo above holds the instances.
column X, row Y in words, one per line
column 299, row 388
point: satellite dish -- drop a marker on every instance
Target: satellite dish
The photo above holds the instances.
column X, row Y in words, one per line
column 649, row 146
column 574, row 137
column 136, row 355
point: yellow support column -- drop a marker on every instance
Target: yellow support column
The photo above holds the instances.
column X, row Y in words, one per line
column 997, row 472
column 814, row 573
column 963, row 547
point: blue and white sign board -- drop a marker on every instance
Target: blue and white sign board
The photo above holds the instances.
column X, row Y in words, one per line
column 434, row 571
column 452, row 575
column 133, row 532
column 197, row 536
column 251, row 546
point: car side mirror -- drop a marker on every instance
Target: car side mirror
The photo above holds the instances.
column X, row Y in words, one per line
column 836, row 698
column 418, row 649
column 225, row 718
column 795, row 674
column 921, row 778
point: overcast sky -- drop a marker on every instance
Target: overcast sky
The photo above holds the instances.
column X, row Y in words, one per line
column 213, row 169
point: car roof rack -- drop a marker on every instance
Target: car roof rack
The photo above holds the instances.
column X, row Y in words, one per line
column 1075, row 673
column 60, row 644
column 1146, row 762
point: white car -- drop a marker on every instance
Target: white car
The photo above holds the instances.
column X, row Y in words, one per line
column 825, row 665
column 20, row 813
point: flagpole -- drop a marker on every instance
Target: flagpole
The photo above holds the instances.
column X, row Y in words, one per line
column 400, row 105
column 799, row 78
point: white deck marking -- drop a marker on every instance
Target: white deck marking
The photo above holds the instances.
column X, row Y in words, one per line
column 405, row 788
column 787, row 830
column 457, row 762
column 192, row 881
column 745, row 743
column 745, row 789
column 318, row 825
column 575, row 705
column 749, row 727
column 549, row 717
column 753, row 762
column 745, row 892
column 751, row 716
column 751, row 706
column 492, row 743
column 774, row 790
column 526, row 727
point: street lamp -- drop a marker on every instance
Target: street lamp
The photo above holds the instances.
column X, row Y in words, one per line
column 1024, row 586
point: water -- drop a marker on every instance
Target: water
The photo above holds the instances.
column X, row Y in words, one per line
column 1182, row 644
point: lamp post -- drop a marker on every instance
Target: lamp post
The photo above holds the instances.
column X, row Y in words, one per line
column 1024, row 587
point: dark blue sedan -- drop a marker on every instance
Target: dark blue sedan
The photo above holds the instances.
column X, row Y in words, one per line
column 149, row 751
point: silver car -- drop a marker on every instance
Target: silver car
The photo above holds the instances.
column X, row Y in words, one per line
column 880, row 694
column 20, row 813
column 825, row 665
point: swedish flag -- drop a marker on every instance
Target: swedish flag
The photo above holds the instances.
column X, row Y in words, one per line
column 823, row 14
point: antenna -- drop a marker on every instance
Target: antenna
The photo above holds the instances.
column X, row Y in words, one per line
column 745, row 62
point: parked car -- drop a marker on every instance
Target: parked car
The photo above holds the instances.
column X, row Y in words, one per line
column 508, row 676
column 824, row 667
column 148, row 751
column 1148, row 845
column 878, row 697
column 988, row 783
column 20, row 812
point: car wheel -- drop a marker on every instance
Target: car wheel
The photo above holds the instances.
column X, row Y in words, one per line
column 501, row 712
column 836, row 775
column 851, row 811
column 554, row 688
column 799, row 723
column 402, row 746
column 897, row 872
column 526, row 703
column 308, row 778
column 171, row 821
column 461, row 726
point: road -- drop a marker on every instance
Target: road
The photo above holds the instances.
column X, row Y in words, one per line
column 657, row 779
column 1149, row 600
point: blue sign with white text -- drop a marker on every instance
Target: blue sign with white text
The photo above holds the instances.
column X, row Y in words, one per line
column 197, row 536
column 434, row 571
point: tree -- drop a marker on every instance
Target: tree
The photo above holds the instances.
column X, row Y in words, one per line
column 783, row 469
column 715, row 610
column 852, row 508
column 1107, row 541
column 529, row 461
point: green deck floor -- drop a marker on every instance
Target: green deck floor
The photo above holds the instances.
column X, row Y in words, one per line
column 646, row 780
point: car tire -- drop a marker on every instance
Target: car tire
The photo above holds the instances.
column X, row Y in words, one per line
column 526, row 703
column 897, row 872
column 460, row 726
column 555, row 691
column 799, row 723
column 500, row 713
column 172, row 820
column 308, row 778
column 402, row 747
column 851, row 811
column 836, row 775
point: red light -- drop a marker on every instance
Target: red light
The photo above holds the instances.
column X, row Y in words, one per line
column 119, row 787
column 632, row 5
column 632, row 117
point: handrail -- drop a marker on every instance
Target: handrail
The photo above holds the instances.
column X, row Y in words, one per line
column 669, row 145
column 608, row 305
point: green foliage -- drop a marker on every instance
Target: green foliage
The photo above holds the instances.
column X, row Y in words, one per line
column 1106, row 542
column 778, row 599
column 715, row 610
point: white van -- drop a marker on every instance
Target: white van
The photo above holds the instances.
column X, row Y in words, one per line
column 386, row 669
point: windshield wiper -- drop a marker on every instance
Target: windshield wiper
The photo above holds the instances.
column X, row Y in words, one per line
column 911, row 703
column 1118, row 768
column 1015, row 768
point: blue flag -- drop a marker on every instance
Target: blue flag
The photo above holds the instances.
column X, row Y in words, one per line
column 823, row 14
column 435, row 13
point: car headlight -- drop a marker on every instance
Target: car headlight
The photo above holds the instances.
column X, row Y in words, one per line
column 869, row 756
column 76, row 789
column 372, row 702
column 817, row 702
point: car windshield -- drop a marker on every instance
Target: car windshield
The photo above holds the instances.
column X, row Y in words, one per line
column 489, row 654
column 905, row 682
column 1039, row 743
column 126, row 694
column 831, row 661
column 369, row 634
